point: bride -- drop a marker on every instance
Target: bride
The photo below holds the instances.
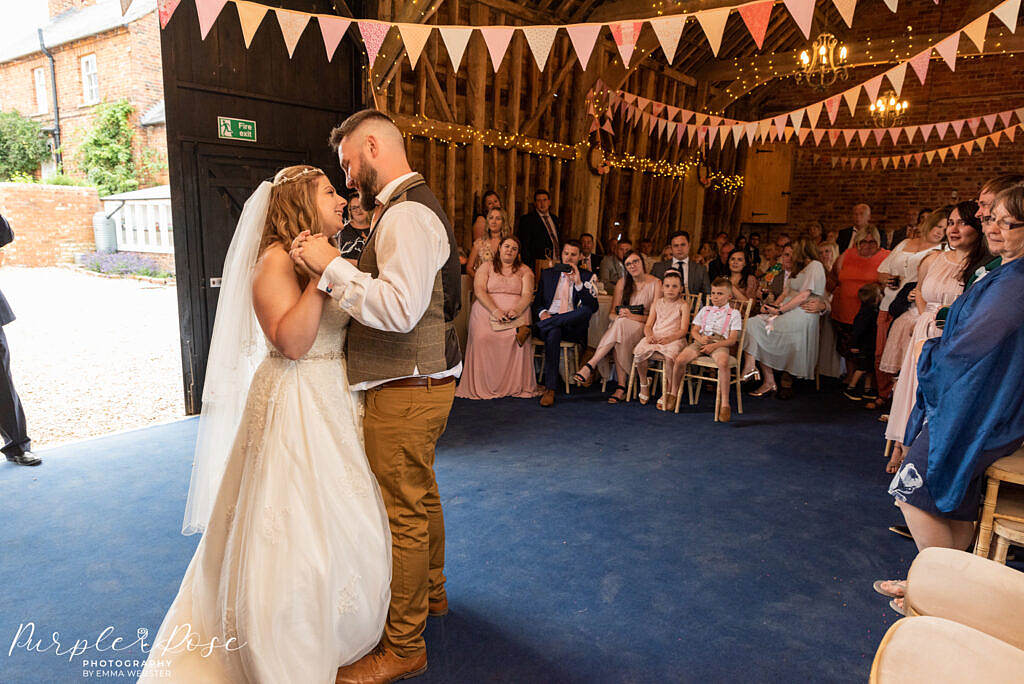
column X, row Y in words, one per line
column 291, row 578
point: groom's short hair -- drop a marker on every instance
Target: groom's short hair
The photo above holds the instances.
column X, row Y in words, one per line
column 349, row 125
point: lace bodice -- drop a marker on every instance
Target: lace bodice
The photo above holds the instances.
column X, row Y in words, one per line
column 330, row 338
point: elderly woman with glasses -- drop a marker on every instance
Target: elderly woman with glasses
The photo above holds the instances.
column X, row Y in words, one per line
column 854, row 268
column 969, row 410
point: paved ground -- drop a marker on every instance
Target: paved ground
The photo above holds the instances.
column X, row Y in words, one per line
column 92, row 355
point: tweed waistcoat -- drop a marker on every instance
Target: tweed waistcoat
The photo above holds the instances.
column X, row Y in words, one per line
column 432, row 345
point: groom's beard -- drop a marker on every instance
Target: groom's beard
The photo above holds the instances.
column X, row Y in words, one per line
column 367, row 182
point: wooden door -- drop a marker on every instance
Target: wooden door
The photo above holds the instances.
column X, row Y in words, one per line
column 766, row 184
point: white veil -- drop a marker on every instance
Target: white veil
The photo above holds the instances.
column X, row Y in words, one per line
column 237, row 347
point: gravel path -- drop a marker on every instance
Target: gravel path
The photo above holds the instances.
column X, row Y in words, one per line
column 92, row 355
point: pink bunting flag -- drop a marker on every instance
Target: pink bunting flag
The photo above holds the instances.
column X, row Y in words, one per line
column 497, row 39
column 803, row 13
column 625, row 34
column 292, row 24
column 208, row 11
column 712, row 132
column 1005, row 117
column 926, row 131
column 920, row 64
column 629, row 97
column 685, row 115
column 583, row 37
column 973, row 122
column 802, row 135
column 165, row 8
column 846, row 8
column 1007, row 12
column 332, row 29
column 863, row 134
column 373, row 33
column 941, row 128
column 661, row 127
column 833, row 135
column 699, row 118
column 894, row 134
column 608, row 127
column 990, row 122
column 714, row 120
column 780, row 122
column 872, row 86
column 642, row 102
column 680, row 131
column 657, row 108
column 917, row 157
column 848, row 134
column 947, row 50
column 756, row 17
column 958, row 126
column 878, row 132
column 819, row 133
column 832, row 106
column 671, row 112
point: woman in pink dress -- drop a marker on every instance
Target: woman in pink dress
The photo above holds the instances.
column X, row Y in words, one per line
column 631, row 304
column 664, row 333
column 497, row 364
column 941, row 278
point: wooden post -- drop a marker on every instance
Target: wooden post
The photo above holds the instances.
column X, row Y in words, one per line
column 476, row 95
column 515, row 98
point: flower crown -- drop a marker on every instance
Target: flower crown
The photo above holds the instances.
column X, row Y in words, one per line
column 300, row 174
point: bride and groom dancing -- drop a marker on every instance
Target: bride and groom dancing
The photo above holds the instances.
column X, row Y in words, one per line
column 324, row 537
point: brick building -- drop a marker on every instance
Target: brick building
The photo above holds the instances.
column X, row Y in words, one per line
column 98, row 56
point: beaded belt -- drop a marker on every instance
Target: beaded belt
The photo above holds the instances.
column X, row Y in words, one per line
column 327, row 356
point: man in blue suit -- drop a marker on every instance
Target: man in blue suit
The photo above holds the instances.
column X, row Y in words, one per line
column 566, row 298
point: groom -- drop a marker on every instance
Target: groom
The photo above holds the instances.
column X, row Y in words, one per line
column 402, row 349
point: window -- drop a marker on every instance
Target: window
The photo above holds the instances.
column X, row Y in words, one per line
column 90, row 81
column 39, row 75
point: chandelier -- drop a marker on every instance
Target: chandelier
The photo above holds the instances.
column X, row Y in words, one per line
column 887, row 111
column 826, row 62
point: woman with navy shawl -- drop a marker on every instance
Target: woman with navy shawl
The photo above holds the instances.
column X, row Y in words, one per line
column 969, row 410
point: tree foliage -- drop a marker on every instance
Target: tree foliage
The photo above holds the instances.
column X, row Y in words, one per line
column 106, row 153
column 22, row 145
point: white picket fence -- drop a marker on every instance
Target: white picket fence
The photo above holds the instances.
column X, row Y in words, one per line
column 143, row 222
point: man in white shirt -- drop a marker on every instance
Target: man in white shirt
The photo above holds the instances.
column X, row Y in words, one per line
column 695, row 276
column 401, row 348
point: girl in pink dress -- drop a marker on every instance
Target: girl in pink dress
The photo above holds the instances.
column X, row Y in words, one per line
column 664, row 333
column 496, row 364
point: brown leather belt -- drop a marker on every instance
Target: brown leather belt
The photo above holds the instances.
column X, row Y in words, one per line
column 419, row 381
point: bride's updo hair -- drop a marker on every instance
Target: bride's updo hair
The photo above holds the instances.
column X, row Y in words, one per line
column 292, row 206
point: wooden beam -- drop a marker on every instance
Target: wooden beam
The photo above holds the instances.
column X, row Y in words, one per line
column 545, row 100
column 384, row 67
column 427, row 65
column 521, row 11
column 641, row 9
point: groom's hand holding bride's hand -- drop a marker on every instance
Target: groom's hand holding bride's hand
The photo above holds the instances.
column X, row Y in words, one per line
column 314, row 252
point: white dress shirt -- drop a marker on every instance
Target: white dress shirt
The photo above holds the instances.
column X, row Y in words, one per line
column 558, row 306
column 683, row 266
column 411, row 246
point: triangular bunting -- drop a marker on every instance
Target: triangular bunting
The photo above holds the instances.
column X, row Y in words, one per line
column 929, row 155
column 250, row 15
column 926, row 131
column 947, row 50
column 878, row 133
column 165, row 8
column 803, row 13
column 756, row 17
column 713, row 23
column 896, row 76
column 976, row 31
column 819, row 133
column 455, row 41
column 751, row 132
column 846, row 8
column 208, row 11
column 848, row 134
column 1007, row 13
column 780, row 122
column 1005, row 117
column 833, row 135
column 863, row 134
column 292, row 25
column 894, row 134
column 851, row 96
column 1010, row 132
column 540, row 39
column 497, row 39
column 797, row 118
column 891, row 4
column 990, row 122
column 943, row 151
column 625, row 34
column 373, row 33
column 414, row 36
column 872, row 86
column 802, row 135
column 981, row 142
column 920, row 64
column 911, row 131
column 958, row 126
column 974, row 122
column 668, row 30
column 941, row 128
column 832, row 106
column 813, row 112
column 332, row 29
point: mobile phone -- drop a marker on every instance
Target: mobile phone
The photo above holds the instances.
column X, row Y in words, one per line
column 563, row 268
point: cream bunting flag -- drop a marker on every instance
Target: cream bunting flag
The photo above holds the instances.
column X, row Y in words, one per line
column 990, row 122
column 455, row 41
column 669, row 30
column 846, row 8
column 540, row 39
column 872, row 87
column 851, row 96
column 497, row 39
column 813, row 112
column 878, row 133
column 911, row 131
column 947, row 49
column 976, row 31
column 292, row 25
column 208, row 11
column 863, row 134
column 713, row 23
column 1007, row 13
column 583, row 37
column 797, row 118
column 896, row 76
column 802, row 12
column 250, row 16
column 332, row 29
column 414, row 36
column 848, row 134
column 894, row 134
column 891, row 4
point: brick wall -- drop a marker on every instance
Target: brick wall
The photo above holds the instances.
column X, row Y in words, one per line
column 979, row 86
column 128, row 67
column 51, row 223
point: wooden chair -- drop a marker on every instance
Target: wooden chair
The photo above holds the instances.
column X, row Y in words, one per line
column 705, row 364
column 570, row 360
column 1007, row 532
column 694, row 300
column 1009, row 469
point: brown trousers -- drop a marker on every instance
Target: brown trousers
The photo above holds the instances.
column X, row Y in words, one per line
column 402, row 426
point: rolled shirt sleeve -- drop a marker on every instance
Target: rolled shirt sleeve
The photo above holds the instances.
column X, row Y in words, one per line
column 411, row 246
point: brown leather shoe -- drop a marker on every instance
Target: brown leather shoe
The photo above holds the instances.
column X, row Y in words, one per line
column 437, row 607
column 381, row 666
column 522, row 334
column 548, row 399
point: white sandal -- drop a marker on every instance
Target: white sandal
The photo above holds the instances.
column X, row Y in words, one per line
column 643, row 395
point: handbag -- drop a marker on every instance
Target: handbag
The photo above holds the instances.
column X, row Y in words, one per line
column 498, row 326
column 900, row 303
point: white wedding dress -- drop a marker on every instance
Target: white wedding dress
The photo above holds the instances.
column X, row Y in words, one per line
column 295, row 562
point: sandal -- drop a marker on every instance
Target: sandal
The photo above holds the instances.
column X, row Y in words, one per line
column 895, row 461
column 670, row 402
column 614, row 399
column 584, row 381
column 643, row 395
column 897, row 604
column 902, row 584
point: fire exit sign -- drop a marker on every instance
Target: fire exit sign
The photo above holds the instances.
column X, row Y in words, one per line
column 236, row 129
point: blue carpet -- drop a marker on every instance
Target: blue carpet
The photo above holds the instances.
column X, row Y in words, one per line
column 586, row 543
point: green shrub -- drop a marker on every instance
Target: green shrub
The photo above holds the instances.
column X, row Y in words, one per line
column 22, row 146
column 106, row 153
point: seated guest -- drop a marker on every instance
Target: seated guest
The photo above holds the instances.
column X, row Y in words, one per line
column 741, row 243
column 647, row 252
column 778, row 275
column 828, row 253
column 941, row 278
column 816, row 232
column 719, row 266
column 715, row 331
column 744, row 284
column 566, row 299
column 590, row 260
column 631, row 304
column 753, row 250
column 862, row 342
column 968, row 412
column 663, row 334
column 498, row 364
column 706, row 254
column 993, row 236
column 695, row 275
column 612, row 269
column 785, row 336
column 830, row 364
column 352, row 238
column 769, row 262
column 855, row 268
column 490, row 201
column 720, row 239
column 484, row 249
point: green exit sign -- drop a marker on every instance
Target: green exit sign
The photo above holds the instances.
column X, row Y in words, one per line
column 236, row 129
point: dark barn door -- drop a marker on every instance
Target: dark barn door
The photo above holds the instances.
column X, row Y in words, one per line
column 213, row 89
